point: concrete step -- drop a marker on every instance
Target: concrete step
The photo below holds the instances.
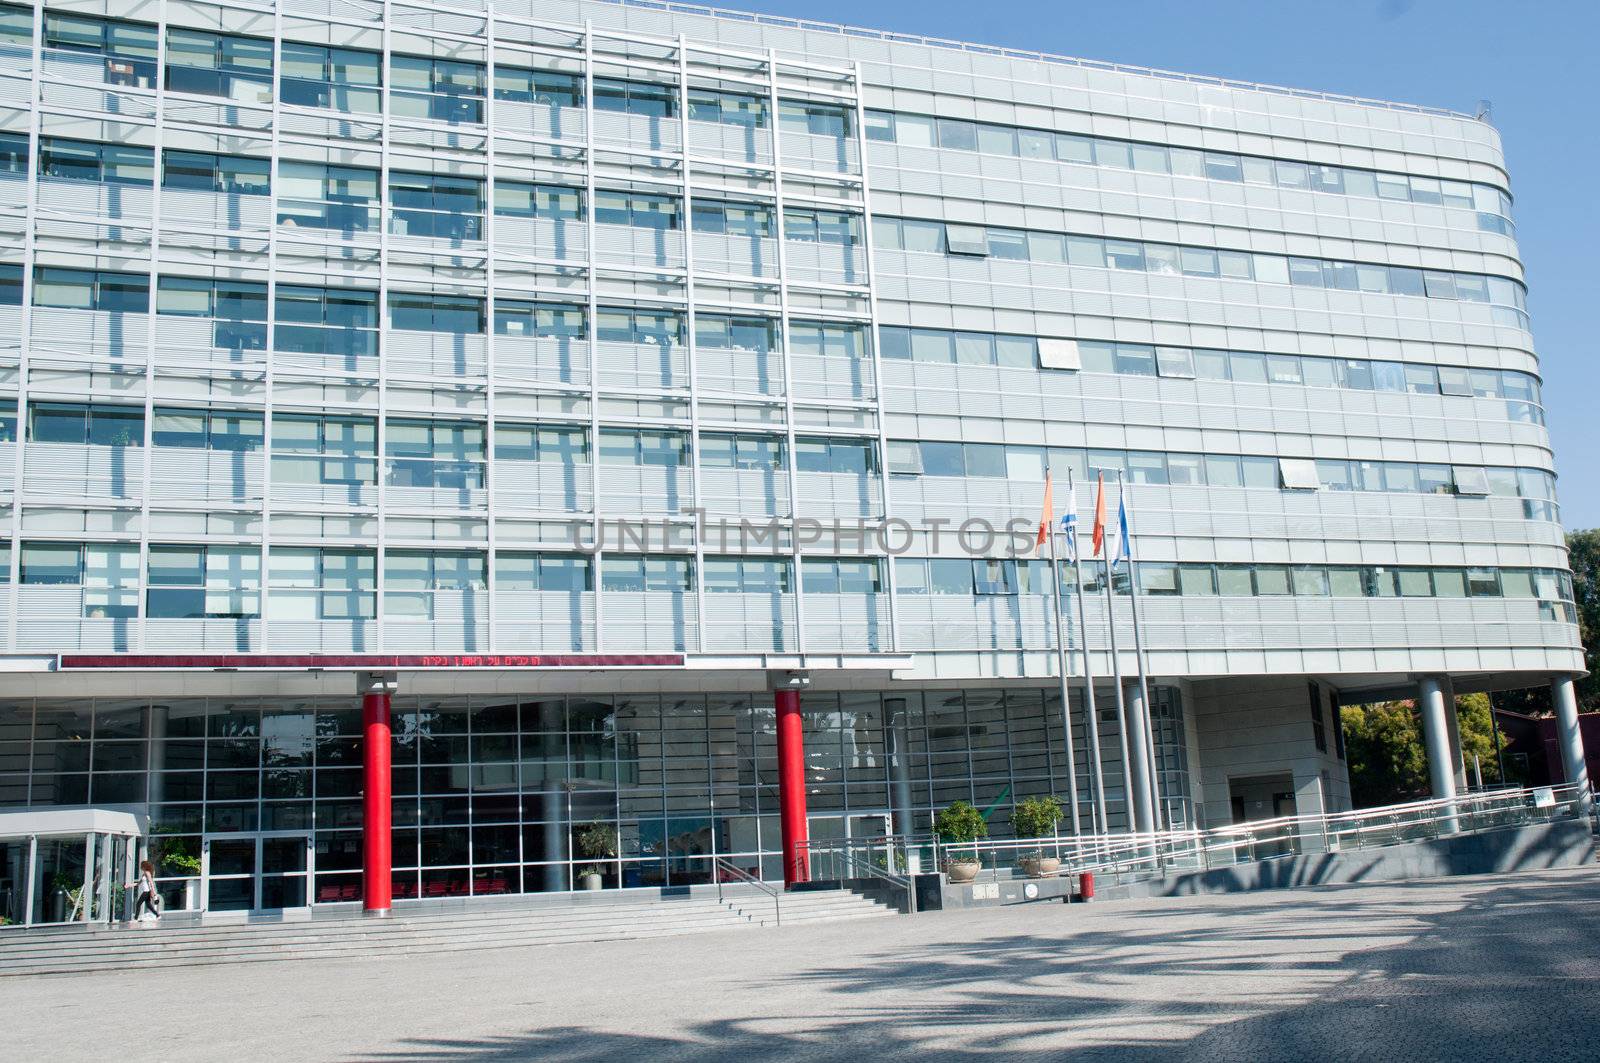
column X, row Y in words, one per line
column 378, row 934
column 66, row 950
column 400, row 923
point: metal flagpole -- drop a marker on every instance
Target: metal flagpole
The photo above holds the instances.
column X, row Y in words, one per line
column 1061, row 673
column 1116, row 687
column 1147, row 713
column 1091, row 724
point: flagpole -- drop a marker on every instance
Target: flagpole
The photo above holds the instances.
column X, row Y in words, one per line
column 1147, row 716
column 1061, row 674
column 1122, row 708
column 1091, row 723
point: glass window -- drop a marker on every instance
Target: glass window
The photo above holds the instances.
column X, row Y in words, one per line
column 954, row 133
column 1158, row 578
column 85, row 160
column 216, row 64
column 91, row 290
column 344, row 79
column 950, row 575
column 1259, row 472
column 992, row 576
column 1198, row 580
column 997, row 139
column 422, row 312
column 1185, row 469
column 1222, row 470
column 1211, row 365
column 915, row 130
column 1234, row 581
column 1272, row 580
column 548, row 87
column 911, row 575
column 1006, row 243
column 1345, row 582
column 1415, row 583
column 1135, row 359
column 1312, row 582
column 1220, row 167
column 816, row 119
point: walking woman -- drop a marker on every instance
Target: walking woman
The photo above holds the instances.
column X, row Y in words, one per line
column 146, row 886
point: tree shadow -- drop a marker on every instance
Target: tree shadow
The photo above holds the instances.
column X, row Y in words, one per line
column 1508, row 968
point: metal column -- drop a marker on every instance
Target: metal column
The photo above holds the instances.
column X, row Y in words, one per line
column 1436, row 736
column 1570, row 737
column 377, row 861
column 792, row 786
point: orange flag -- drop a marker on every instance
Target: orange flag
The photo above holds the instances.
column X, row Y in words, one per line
column 1099, row 516
column 1047, row 515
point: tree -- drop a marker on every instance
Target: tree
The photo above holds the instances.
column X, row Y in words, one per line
column 1583, row 555
column 1384, row 745
column 1477, row 737
column 1389, row 759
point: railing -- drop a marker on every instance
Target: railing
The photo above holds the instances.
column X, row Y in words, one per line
column 721, row 866
column 1043, row 57
column 1128, row 857
column 846, row 860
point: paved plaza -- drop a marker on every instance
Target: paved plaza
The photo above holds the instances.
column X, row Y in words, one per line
column 1501, row 967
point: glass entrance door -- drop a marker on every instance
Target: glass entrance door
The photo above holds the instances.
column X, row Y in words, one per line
column 284, row 862
column 869, row 838
column 249, row 872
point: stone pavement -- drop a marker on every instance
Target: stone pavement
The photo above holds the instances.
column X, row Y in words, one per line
column 1497, row 967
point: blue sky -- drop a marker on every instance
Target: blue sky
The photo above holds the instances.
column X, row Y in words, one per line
column 1534, row 61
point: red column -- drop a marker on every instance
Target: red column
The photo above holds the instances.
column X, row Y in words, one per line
column 376, row 859
column 792, row 788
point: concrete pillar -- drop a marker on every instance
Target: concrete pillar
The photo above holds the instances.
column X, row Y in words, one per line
column 553, row 808
column 155, row 729
column 1436, row 737
column 1569, row 736
column 1140, row 785
column 899, row 748
column 377, row 828
column 1458, row 760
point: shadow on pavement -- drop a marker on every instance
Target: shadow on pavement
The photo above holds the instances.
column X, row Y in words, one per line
column 1509, row 973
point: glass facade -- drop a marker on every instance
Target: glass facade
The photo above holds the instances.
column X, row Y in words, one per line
column 258, row 803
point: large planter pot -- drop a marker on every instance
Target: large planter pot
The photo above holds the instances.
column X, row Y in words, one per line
column 1040, row 866
column 592, row 881
column 962, row 870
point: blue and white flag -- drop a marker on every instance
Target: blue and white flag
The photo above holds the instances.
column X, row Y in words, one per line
column 1124, row 550
column 1069, row 522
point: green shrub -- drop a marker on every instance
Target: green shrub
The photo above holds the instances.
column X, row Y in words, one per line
column 961, row 825
column 595, row 841
column 1037, row 817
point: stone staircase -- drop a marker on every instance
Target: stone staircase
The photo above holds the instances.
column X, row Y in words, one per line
column 75, row 949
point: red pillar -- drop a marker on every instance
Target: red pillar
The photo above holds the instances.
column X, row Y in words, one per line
column 792, row 788
column 376, row 859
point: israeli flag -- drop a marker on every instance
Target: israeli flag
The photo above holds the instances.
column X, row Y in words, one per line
column 1124, row 552
column 1069, row 523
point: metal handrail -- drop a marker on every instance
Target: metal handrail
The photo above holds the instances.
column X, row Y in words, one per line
column 1153, row 853
column 721, row 863
column 865, row 868
column 893, row 36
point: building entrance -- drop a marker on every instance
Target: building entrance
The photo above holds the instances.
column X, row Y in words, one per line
column 252, row 872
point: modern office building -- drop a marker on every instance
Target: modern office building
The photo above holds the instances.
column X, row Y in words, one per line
column 609, row 400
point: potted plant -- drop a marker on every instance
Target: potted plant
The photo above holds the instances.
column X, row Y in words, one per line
column 960, row 826
column 1038, row 817
column 594, row 841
